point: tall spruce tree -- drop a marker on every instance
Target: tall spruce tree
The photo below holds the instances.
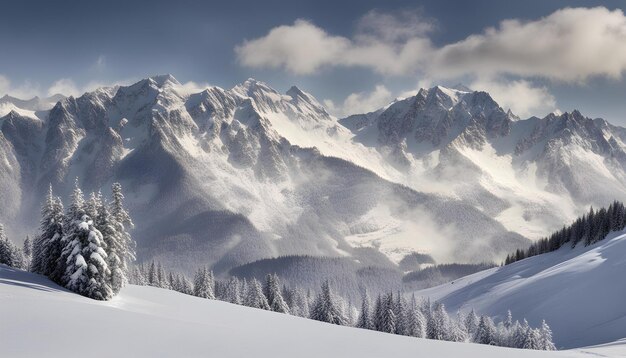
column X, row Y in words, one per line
column 326, row 309
column 47, row 246
column 272, row 292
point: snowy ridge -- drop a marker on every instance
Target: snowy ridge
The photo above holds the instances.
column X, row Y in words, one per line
column 577, row 291
column 236, row 176
column 150, row 322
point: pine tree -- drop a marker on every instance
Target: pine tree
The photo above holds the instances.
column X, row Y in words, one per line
column 438, row 323
column 152, row 278
column 508, row 322
column 10, row 254
column 255, row 297
column 545, row 337
column 112, row 237
column 122, row 244
column 203, row 284
column 271, row 290
column 365, row 318
column 47, row 246
column 388, row 317
column 326, row 309
column 416, row 322
column 486, row 332
column 27, row 250
column 233, row 294
column 471, row 323
column 399, row 309
column 84, row 255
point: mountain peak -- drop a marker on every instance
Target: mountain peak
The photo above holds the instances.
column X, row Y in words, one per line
column 162, row 80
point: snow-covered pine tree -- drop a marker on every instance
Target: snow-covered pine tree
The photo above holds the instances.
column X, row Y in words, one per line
column 123, row 246
column 271, row 290
column 456, row 331
column 399, row 310
column 532, row 339
column 508, row 321
column 233, row 294
column 107, row 225
column 47, row 246
column 27, row 251
column 486, row 332
column 203, row 284
column 162, row 277
column 387, row 315
column 471, row 323
column 10, row 254
column 545, row 337
column 84, row 256
column 365, row 316
column 301, row 303
column 152, row 277
column 326, row 309
column 416, row 322
column 438, row 323
column 255, row 297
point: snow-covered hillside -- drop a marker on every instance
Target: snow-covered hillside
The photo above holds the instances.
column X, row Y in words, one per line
column 580, row 292
column 40, row 319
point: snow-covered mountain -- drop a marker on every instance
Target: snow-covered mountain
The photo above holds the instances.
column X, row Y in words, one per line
column 531, row 175
column 246, row 175
column 578, row 291
column 43, row 319
column 229, row 177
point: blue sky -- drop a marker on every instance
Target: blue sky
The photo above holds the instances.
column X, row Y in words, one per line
column 537, row 64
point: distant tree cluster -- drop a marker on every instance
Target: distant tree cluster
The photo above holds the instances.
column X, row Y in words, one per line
column 420, row 318
column 11, row 255
column 390, row 313
column 589, row 229
column 86, row 248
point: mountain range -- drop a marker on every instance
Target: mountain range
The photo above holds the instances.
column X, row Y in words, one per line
column 249, row 177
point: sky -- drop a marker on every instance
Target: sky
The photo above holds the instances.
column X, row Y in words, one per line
column 534, row 57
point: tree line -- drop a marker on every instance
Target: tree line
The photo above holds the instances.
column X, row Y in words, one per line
column 389, row 313
column 588, row 229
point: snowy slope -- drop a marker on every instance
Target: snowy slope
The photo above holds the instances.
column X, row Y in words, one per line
column 40, row 319
column 579, row 292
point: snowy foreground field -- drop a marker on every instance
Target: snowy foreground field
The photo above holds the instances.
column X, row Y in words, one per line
column 40, row 319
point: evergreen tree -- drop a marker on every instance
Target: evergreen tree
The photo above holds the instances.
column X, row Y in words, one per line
column 255, row 297
column 545, row 337
column 486, row 332
column 27, row 250
column 271, row 290
column 438, row 323
column 122, row 244
column 203, row 284
column 471, row 323
column 47, row 246
column 365, row 318
column 399, row 310
column 105, row 222
column 10, row 254
column 326, row 309
column 416, row 322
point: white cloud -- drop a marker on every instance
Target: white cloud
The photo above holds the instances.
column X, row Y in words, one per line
column 64, row 86
column 571, row 44
column 362, row 102
column 522, row 97
column 25, row 90
column 387, row 43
